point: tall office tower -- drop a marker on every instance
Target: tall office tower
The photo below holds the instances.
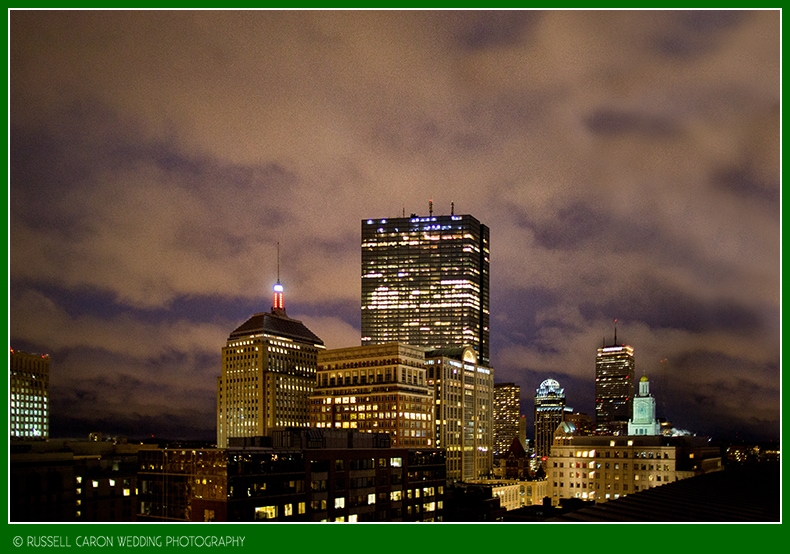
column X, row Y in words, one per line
column 29, row 392
column 644, row 421
column 614, row 387
column 549, row 412
column 377, row 389
column 507, row 410
column 268, row 374
column 464, row 392
column 425, row 282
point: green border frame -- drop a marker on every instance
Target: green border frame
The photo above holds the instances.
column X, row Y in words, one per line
column 385, row 538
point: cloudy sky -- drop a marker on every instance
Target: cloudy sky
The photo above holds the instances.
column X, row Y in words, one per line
column 626, row 162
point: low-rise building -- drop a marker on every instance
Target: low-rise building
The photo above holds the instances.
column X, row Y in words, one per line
column 509, row 492
column 601, row 468
column 66, row 480
column 535, row 491
column 297, row 475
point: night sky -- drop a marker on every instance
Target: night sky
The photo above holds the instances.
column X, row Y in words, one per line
column 627, row 164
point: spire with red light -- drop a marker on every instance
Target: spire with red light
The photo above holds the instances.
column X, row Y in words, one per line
column 278, row 303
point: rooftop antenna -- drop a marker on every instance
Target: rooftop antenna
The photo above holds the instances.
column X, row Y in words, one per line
column 452, row 208
column 615, row 331
column 278, row 304
column 430, row 207
column 404, row 211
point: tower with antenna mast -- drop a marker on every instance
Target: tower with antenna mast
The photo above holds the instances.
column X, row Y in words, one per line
column 615, row 369
column 268, row 373
column 425, row 281
column 278, row 302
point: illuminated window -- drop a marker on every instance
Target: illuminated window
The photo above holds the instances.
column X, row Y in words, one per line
column 340, row 502
column 266, row 512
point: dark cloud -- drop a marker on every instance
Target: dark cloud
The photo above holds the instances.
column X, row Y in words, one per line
column 612, row 122
column 697, row 31
column 487, row 29
column 705, row 382
column 659, row 305
column 747, row 184
column 710, row 21
column 579, row 223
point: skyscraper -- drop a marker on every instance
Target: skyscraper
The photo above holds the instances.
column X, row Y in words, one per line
column 464, row 393
column 507, row 412
column 614, row 387
column 268, row 374
column 29, row 395
column 425, row 282
column 549, row 411
column 644, row 421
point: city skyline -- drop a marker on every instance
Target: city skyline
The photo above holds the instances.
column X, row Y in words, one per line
column 625, row 162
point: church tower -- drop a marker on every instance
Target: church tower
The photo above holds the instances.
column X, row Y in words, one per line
column 644, row 420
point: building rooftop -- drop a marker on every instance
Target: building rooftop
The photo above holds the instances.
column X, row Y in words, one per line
column 275, row 324
column 738, row 494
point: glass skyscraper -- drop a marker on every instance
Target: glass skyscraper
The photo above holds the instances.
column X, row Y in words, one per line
column 425, row 282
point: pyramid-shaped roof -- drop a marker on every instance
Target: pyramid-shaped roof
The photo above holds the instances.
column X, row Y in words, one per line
column 278, row 325
column 516, row 448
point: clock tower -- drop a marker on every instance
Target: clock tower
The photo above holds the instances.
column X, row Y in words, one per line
column 644, row 420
